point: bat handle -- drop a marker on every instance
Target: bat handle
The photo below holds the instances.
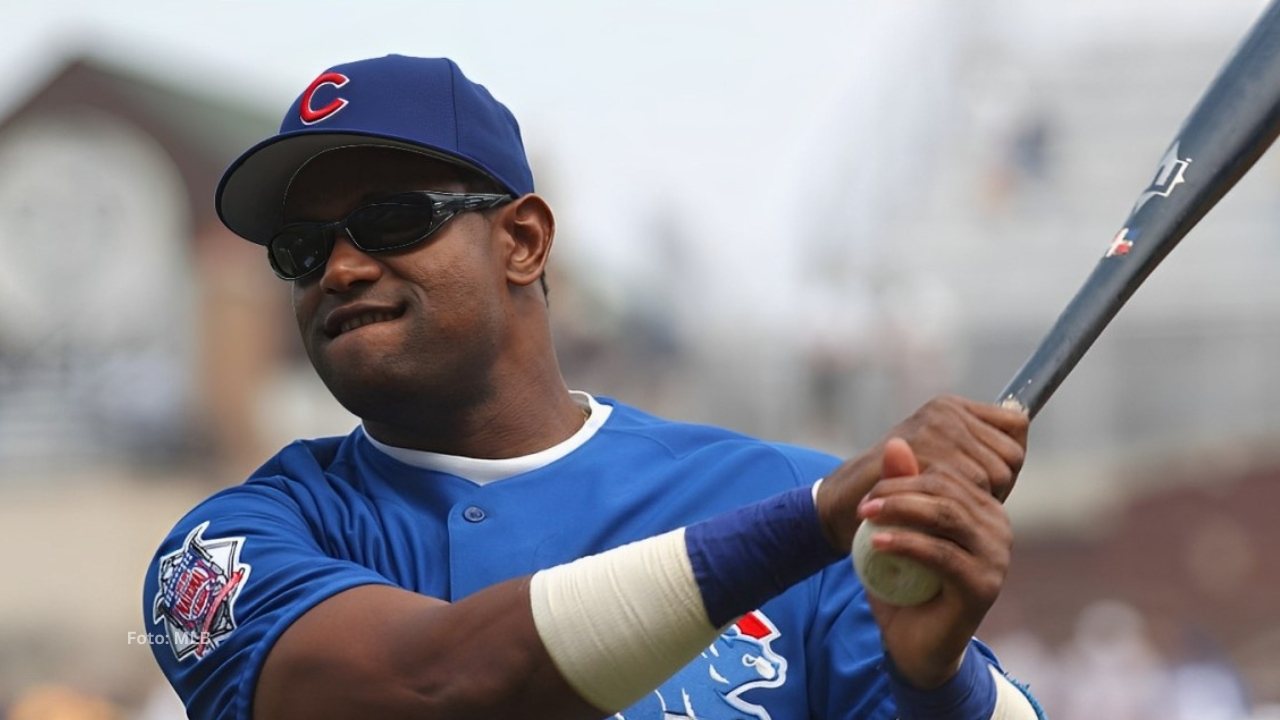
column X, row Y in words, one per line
column 1066, row 343
column 1031, row 387
column 1035, row 382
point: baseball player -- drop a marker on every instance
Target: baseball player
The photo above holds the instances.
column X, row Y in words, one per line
column 490, row 544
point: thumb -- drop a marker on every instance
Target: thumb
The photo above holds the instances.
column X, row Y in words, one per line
column 898, row 459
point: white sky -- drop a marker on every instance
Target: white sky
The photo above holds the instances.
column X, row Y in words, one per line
column 719, row 109
column 727, row 113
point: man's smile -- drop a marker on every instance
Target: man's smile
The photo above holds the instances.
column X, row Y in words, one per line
column 357, row 315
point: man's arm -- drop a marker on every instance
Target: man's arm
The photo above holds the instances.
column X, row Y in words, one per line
column 613, row 626
column 377, row 651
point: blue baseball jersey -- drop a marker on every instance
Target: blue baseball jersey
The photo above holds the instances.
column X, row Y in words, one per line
column 327, row 515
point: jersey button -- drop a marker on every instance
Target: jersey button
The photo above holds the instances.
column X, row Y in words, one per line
column 474, row 514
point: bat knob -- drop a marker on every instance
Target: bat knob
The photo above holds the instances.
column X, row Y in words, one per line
column 1013, row 403
column 894, row 579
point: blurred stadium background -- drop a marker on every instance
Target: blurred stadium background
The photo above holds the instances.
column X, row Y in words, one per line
column 798, row 221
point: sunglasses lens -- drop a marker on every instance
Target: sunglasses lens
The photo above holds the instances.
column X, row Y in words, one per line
column 390, row 225
column 296, row 253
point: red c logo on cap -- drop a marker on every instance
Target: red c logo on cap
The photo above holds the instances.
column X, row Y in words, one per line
column 310, row 115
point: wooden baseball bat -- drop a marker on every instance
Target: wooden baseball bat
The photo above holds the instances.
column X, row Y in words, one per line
column 1234, row 122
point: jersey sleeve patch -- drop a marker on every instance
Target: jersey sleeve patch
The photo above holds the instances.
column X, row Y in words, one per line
column 198, row 586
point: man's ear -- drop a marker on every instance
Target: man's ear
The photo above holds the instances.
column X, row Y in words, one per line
column 530, row 228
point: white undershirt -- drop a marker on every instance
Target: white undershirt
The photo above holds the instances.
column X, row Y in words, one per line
column 484, row 471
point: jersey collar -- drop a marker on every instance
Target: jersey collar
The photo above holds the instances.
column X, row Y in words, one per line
column 483, row 471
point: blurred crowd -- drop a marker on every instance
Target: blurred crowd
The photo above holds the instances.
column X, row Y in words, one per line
column 1110, row 667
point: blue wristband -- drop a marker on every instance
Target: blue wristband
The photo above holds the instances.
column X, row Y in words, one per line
column 969, row 695
column 747, row 556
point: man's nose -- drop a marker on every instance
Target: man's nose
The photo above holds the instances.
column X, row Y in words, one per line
column 348, row 266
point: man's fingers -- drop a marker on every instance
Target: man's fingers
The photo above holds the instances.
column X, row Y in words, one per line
column 931, row 482
column 978, row 444
column 1010, row 449
column 941, row 506
column 975, row 472
column 938, row 516
column 946, row 523
column 999, row 455
column 974, row 506
column 982, row 442
column 1012, row 422
column 898, row 459
column 981, row 576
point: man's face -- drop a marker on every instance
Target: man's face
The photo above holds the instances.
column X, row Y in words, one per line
column 421, row 324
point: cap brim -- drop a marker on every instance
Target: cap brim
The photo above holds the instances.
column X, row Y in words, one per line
column 250, row 196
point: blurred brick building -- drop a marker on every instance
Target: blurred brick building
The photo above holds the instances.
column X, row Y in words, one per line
column 132, row 327
column 134, row 333
column 1193, row 553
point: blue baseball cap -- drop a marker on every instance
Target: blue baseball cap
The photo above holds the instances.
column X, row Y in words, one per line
column 424, row 105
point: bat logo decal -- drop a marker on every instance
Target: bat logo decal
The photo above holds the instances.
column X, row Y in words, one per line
column 1169, row 175
column 1121, row 244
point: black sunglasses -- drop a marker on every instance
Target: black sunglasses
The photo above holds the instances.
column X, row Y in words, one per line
column 396, row 222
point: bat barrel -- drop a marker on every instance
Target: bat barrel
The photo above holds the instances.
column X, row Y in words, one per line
column 1228, row 130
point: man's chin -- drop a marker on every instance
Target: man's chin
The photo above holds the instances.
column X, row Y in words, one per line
column 369, row 400
column 366, row 386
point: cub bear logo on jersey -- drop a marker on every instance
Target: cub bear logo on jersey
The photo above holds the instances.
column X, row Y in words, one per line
column 199, row 584
column 712, row 686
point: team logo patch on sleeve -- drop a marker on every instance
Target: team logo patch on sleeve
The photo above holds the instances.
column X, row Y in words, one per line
column 199, row 584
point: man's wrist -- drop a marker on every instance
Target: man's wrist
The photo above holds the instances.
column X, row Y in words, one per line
column 617, row 623
column 969, row 694
column 744, row 557
column 926, row 678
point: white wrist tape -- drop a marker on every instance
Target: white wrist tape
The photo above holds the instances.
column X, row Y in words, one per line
column 619, row 623
column 1011, row 703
